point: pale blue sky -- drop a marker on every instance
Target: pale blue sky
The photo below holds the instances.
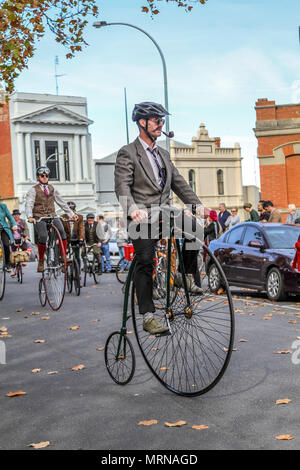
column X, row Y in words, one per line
column 220, row 58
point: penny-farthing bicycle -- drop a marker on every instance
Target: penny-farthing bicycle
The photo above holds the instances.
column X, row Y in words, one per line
column 193, row 355
column 52, row 285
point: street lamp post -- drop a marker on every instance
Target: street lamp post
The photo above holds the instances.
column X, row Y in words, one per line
column 100, row 24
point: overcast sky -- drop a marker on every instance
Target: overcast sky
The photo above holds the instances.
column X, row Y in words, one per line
column 220, row 58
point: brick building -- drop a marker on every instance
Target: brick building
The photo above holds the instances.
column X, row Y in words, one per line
column 278, row 135
column 6, row 165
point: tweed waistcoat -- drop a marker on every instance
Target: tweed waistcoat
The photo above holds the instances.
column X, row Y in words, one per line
column 44, row 205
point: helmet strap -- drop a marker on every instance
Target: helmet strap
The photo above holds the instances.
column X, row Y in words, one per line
column 145, row 129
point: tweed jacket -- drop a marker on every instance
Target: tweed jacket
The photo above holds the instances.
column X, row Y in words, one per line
column 78, row 226
column 136, row 186
column 275, row 216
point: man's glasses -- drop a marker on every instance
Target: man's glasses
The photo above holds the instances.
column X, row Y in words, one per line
column 158, row 120
column 44, row 176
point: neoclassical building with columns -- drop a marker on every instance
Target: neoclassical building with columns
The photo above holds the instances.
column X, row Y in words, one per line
column 52, row 130
column 213, row 172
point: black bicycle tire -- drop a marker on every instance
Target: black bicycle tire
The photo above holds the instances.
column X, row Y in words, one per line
column 57, row 307
column 43, row 303
column 227, row 352
column 3, row 283
column 76, row 278
column 19, row 270
column 69, row 278
column 96, row 276
column 109, row 368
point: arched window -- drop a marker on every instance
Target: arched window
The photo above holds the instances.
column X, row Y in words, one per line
column 192, row 181
column 220, row 181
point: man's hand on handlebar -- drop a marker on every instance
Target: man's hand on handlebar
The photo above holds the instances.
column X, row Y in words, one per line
column 31, row 220
column 139, row 215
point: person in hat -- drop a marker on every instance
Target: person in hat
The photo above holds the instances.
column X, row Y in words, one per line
column 74, row 230
column 21, row 235
column 40, row 203
column 91, row 238
column 212, row 227
column 144, row 178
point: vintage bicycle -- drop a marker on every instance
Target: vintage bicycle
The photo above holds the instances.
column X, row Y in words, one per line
column 73, row 268
column 52, row 285
column 91, row 264
column 193, row 355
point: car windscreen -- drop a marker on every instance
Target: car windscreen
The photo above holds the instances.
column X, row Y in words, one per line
column 282, row 236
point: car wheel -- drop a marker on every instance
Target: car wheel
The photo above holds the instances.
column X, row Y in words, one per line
column 274, row 285
column 214, row 279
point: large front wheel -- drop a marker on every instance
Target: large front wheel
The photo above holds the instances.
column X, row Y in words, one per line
column 192, row 357
column 55, row 274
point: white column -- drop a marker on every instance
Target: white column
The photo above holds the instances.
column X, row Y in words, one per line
column 77, row 158
column 28, row 150
column 84, row 157
column 21, row 157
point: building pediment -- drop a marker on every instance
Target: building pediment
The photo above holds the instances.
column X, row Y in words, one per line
column 55, row 114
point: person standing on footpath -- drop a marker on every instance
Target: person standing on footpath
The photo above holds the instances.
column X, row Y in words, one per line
column 144, row 177
column 104, row 234
column 254, row 216
column 275, row 216
column 264, row 215
column 223, row 215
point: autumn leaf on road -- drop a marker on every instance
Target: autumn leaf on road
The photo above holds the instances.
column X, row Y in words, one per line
column 148, row 423
column 39, row 341
column 200, row 426
column 75, row 327
column 19, row 393
column 35, row 371
column 80, row 367
column 39, row 445
column 284, row 351
column 175, row 425
column 283, row 401
column 284, row 437
column 101, row 348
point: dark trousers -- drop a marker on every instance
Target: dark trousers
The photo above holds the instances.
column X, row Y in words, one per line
column 42, row 233
column 5, row 241
column 145, row 252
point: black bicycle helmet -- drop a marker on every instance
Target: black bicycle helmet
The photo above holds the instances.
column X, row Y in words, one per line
column 71, row 204
column 90, row 216
column 148, row 109
column 42, row 169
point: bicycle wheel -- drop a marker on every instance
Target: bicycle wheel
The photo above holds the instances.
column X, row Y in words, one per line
column 70, row 278
column 42, row 293
column 119, row 358
column 76, row 276
column 96, row 269
column 195, row 353
column 2, row 270
column 55, row 273
column 121, row 274
column 160, row 280
column 19, row 271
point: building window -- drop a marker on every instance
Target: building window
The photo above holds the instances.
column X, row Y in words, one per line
column 51, row 148
column 220, row 181
column 66, row 161
column 192, row 181
column 37, row 153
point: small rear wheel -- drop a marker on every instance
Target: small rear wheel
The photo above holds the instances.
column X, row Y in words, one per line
column 97, row 270
column 119, row 358
column 19, row 270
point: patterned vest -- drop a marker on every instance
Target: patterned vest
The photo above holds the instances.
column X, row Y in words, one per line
column 43, row 205
column 90, row 234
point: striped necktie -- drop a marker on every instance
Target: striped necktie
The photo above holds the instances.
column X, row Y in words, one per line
column 161, row 171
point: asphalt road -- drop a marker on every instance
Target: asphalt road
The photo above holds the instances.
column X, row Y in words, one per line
column 84, row 409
